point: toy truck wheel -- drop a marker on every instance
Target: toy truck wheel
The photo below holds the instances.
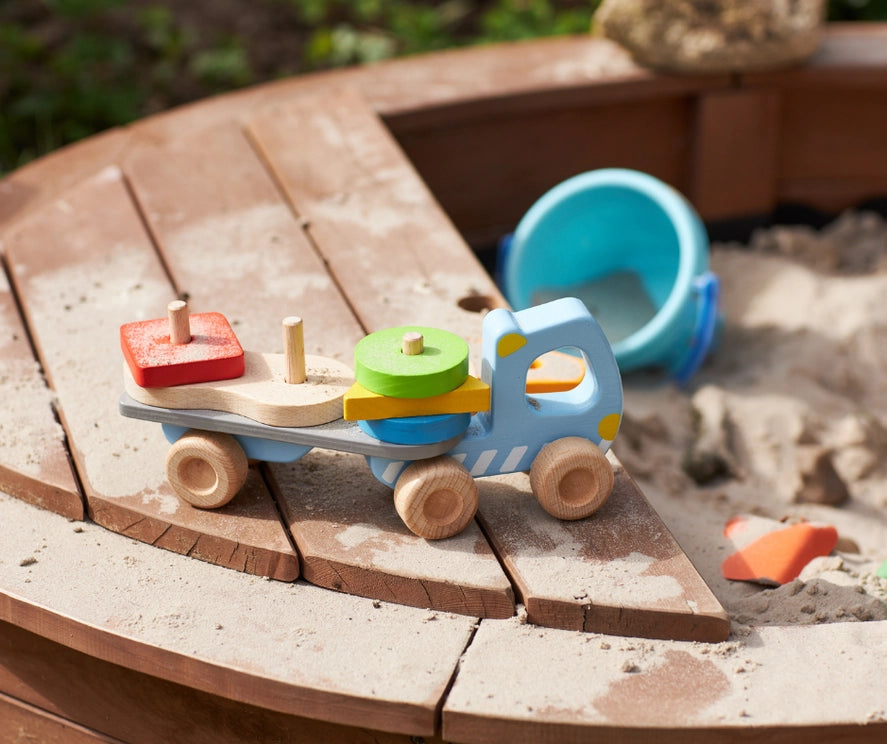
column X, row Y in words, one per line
column 571, row 478
column 436, row 498
column 206, row 468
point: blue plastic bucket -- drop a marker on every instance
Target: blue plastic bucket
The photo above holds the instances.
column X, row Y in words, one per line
column 635, row 251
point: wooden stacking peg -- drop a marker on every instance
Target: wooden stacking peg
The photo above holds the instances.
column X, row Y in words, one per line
column 294, row 350
column 412, row 343
column 179, row 322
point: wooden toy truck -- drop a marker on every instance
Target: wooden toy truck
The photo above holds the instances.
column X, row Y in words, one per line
column 426, row 427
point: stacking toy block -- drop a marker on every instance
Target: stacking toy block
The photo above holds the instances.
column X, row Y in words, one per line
column 772, row 553
column 417, row 429
column 555, row 372
column 213, row 352
column 437, row 366
column 471, row 396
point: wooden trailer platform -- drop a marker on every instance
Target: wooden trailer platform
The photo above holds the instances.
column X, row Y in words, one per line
column 304, row 610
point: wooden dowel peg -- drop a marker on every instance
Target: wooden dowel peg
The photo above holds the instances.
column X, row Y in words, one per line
column 412, row 343
column 179, row 322
column 294, row 350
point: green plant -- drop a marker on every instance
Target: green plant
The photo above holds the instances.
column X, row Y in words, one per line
column 523, row 19
column 58, row 92
column 70, row 68
column 857, row 10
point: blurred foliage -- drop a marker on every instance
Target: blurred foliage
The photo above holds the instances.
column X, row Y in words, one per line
column 70, row 68
column 857, row 10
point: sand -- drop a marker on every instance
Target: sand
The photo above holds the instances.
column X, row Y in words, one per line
column 787, row 420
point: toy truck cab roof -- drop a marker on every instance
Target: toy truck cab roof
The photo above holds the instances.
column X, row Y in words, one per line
column 509, row 436
column 513, row 341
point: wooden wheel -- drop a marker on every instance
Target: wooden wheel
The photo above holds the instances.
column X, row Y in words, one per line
column 571, row 478
column 436, row 498
column 206, row 468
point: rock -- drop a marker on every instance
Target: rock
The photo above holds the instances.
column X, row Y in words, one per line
column 709, row 455
column 820, row 482
column 859, row 441
column 828, row 568
column 716, row 36
column 847, row 545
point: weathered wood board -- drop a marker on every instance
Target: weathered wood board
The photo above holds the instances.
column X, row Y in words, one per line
column 34, row 464
column 385, row 241
column 389, row 245
column 524, row 685
column 83, row 266
column 619, row 571
column 351, row 539
column 291, row 648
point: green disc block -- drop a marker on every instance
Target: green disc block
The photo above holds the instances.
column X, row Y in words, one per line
column 382, row 368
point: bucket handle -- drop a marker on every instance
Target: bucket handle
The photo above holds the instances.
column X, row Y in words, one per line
column 707, row 287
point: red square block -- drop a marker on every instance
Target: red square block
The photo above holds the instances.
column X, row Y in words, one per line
column 214, row 353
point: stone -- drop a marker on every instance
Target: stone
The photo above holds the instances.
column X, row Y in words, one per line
column 819, row 481
column 709, row 455
column 717, row 36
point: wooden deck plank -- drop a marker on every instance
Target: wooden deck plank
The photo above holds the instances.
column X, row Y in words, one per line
column 34, row 464
column 388, row 243
column 233, row 245
column 524, row 685
column 354, row 181
column 619, row 571
column 351, row 539
column 82, row 266
column 20, row 722
column 289, row 648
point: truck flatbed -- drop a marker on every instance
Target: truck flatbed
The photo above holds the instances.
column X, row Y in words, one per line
column 259, row 439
